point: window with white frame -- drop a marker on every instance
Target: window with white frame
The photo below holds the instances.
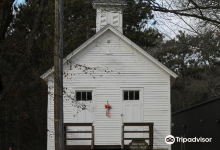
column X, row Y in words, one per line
column 131, row 95
column 83, row 95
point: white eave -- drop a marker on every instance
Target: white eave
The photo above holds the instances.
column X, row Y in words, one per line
column 103, row 30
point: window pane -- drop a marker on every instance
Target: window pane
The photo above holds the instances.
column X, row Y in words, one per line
column 78, row 96
column 131, row 95
column 136, row 95
column 89, row 95
column 125, row 95
column 83, row 96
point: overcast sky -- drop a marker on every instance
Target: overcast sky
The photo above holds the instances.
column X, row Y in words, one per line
column 170, row 24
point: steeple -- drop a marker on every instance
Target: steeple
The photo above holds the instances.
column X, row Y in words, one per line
column 109, row 12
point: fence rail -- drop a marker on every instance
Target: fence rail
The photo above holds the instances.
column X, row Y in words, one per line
column 71, row 132
column 150, row 131
column 92, row 147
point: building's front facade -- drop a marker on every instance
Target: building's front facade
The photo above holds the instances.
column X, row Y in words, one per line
column 111, row 68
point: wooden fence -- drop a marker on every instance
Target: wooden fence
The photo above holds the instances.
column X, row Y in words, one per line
column 72, row 132
column 150, row 131
column 92, row 146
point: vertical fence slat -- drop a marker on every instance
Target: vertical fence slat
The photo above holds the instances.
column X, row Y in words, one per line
column 92, row 144
column 122, row 137
column 151, row 136
column 64, row 137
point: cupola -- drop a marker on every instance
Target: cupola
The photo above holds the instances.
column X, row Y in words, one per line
column 109, row 12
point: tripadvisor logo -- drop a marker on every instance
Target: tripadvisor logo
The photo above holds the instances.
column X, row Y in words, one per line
column 171, row 139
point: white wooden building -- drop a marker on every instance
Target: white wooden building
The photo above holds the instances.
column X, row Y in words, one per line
column 110, row 67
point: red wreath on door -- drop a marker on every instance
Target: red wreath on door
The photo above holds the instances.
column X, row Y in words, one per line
column 108, row 107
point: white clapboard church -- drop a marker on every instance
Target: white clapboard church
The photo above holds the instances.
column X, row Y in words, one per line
column 114, row 91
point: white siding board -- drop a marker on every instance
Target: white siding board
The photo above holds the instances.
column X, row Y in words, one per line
column 129, row 69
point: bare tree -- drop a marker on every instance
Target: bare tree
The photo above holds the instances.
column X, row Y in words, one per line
column 205, row 10
column 6, row 9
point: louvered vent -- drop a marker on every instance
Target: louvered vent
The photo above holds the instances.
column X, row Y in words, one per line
column 103, row 18
column 115, row 20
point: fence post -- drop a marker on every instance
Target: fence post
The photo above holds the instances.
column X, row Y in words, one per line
column 122, row 137
column 92, row 144
column 64, row 137
column 151, row 135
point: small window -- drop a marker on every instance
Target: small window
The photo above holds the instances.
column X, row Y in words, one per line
column 84, row 95
column 131, row 95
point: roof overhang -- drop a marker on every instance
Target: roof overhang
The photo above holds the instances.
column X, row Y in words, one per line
column 104, row 3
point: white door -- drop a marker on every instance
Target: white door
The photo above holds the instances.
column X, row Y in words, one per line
column 83, row 113
column 132, row 111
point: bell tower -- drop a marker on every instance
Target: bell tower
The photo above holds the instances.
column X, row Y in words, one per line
column 109, row 12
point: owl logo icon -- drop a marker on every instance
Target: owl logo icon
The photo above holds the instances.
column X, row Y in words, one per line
column 169, row 139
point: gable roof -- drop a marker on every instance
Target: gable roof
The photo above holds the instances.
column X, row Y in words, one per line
column 196, row 105
column 99, row 33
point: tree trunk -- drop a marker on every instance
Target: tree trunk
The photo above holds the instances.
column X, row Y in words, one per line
column 6, row 9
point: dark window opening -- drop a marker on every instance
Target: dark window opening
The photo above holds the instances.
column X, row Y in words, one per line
column 89, row 95
column 125, row 95
column 131, row 95
column 136, row 97
column 83, row 95
column 78, row 95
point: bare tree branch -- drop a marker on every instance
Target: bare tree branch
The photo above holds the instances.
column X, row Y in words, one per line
column 189, row 11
